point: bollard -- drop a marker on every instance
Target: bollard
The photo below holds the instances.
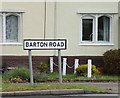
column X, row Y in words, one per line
column 76, row 65
column 89, row 67
column 51, row 64
column 64, row 66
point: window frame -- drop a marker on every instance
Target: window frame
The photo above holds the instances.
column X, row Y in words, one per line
column 81, row 34
column 1, row 27
column 95, row 30
column 4, row 15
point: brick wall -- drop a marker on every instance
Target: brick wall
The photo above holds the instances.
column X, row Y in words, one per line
column 24, row 61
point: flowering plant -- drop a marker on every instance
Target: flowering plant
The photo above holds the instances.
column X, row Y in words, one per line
column 100, row 70
column 42, row 67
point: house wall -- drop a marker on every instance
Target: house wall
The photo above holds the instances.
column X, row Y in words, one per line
column 33, row 26
column 62, row 21
column 68, row 23
column 119, row 26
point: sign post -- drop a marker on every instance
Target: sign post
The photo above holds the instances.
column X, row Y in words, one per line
column 59, row 61
column 52, row 44
column 30, row 66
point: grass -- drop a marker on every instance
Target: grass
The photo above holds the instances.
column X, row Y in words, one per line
column 0, row 81
column 18, row 87
column 107, row 77
column 53, row 76
column 74, row 76
column 6, row 87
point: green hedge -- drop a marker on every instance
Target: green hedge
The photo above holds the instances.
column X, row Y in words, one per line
column 112, row 62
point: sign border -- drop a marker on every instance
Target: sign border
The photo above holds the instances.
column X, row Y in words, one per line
column 46, row 40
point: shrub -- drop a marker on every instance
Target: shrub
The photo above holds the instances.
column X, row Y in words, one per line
column 53, row 75
column 43, row 67
column 82, row 70
column 38, row 77
column 100, row 70
column 112, row 62
column 4, row 66
column 17, row 74
column 41, row 72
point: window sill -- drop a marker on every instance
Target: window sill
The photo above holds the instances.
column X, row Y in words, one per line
column 96, row 44
column 17, row 44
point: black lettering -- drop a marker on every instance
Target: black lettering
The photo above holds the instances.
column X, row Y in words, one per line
column 41, row 44
column 38, row 44
column 54, row 44
column 58, row 45
column 34, row 44
column 27, row 44
column 62, row 44
column 50, row 44
column 30, row 44
column 45, row 44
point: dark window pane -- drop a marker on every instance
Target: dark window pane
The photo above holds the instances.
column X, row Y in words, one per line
column 87, row 29
column 103, row 28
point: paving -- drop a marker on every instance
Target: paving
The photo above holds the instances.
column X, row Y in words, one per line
column 70, row 96
column 112, row 87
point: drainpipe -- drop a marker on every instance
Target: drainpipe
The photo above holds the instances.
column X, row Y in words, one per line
column 45, row 20
column 55, row 20
column 55, row 24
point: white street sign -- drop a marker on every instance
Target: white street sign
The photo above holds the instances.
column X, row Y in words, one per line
column 52, row 44
column 31, row 44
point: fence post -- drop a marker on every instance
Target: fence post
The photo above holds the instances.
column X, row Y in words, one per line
column 76, row 64
column 64, row 66
column 89, row 67
column 51, row 64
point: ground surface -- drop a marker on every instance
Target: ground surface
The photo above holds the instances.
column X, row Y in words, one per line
column 113, row 87
column 72, row 96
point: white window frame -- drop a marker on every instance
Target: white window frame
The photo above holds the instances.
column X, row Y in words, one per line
column 95, row 30
column 4, row 15
column 1, row 36
column 87, row 17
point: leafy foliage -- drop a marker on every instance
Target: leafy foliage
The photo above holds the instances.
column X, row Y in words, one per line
column 21, row 73
column 41, row 72
column 42, row 67
column 4, row 65
column 100, row 70
column 112, row 62
column 38, row 77
column 82, row 70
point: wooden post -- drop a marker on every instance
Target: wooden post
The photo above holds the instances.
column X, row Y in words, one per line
column 76, row 64
column 51, row 64
column 64, row 66
column 89, row 67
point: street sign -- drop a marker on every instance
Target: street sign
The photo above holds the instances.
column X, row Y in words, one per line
column 44, row 44
column 31, row 44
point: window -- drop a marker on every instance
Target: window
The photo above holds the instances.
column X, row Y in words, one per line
column 87, row 29
column 103, row 28
column 0, row 27
column 96, row 29
column 10, row 26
